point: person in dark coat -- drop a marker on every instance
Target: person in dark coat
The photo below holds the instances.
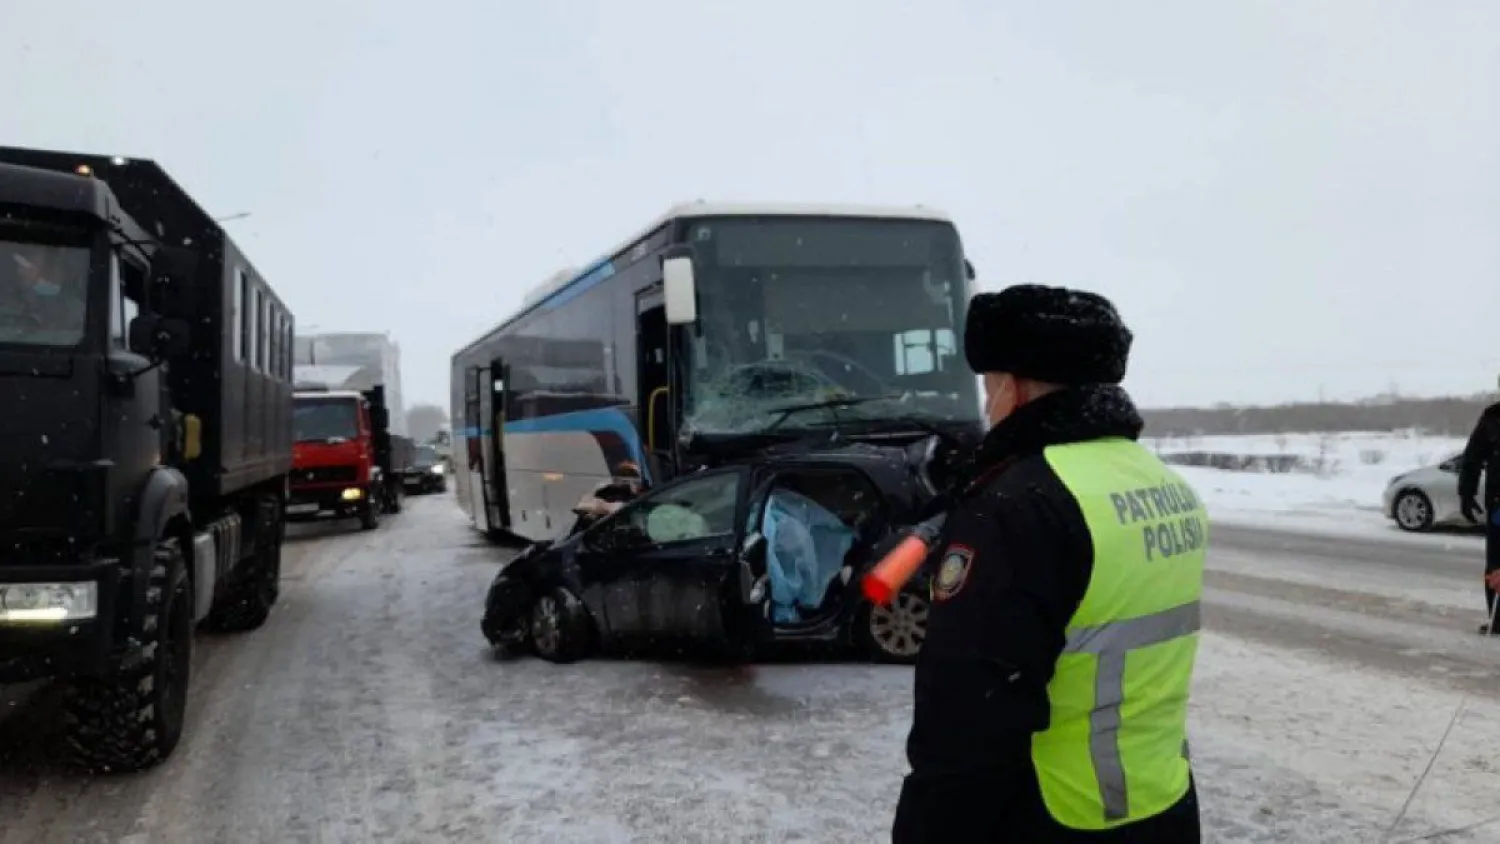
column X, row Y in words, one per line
column 1482, row 456
column 1071, row 548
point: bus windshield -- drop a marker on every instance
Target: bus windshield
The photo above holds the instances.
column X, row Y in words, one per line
column 796, row 310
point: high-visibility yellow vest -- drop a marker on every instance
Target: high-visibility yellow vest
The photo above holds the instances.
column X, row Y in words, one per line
column 1116, row 749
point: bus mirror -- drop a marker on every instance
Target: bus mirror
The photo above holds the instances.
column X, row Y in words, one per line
column 679, row 290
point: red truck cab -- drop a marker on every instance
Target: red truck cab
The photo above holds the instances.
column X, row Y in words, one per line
column 335, row 473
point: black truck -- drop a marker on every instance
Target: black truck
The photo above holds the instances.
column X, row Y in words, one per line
column 394, row 453
column 145, row 370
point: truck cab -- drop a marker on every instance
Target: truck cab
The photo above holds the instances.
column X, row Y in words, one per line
column 146, row 448
column 335, row 472
column 81, row 466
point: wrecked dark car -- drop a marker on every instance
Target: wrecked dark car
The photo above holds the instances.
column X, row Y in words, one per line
column 762, row 550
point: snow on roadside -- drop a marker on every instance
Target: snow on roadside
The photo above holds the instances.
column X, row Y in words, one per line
column 1318, row 750
column 1338, row 493
column 1377, row 454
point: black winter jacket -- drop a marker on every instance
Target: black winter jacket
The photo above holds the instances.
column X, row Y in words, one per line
column 1482, row 454
column 991, row 649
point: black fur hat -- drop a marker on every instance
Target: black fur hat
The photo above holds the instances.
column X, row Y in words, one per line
column 1049, row 334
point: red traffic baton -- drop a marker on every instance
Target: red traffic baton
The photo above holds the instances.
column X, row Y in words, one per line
column 887, row 577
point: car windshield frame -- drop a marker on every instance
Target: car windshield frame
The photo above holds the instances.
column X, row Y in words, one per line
column 602, row 527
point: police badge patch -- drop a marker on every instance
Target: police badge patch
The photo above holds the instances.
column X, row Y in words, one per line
column 953, row 572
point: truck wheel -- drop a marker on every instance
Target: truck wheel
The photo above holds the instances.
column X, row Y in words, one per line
column 369, row 514
column 247, row 600
column 398, row 498
column 133, row 719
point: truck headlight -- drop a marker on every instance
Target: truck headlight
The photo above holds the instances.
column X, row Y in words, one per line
column 352, row 494
column 48, row 602
column 437, row 469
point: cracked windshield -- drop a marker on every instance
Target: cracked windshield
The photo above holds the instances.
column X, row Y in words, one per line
column 800, row 312
column 823, row 422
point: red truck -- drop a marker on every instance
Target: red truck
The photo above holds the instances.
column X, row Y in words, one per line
column 345, row 461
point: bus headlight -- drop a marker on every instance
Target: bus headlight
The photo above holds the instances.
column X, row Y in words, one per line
column 48, row 602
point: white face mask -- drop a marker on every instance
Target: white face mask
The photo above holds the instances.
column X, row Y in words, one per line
column 992, row 399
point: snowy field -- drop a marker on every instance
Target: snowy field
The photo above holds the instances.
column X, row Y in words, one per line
column 1335, row 488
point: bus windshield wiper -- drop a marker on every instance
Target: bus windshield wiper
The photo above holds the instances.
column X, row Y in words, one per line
column 911, row 420
column 835, row 403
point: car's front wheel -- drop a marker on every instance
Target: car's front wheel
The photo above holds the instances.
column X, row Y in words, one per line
column 894, row 632
column 1413, row 511
column 560, row 628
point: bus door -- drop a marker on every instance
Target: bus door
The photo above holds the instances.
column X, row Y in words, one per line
column 497, row 490
column 473, row 486
column 655, row 400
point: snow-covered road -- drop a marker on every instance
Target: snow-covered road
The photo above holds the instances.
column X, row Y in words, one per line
column 368, row 710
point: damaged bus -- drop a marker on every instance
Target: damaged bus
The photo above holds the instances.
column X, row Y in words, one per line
column 685, row 346
column 785, row 380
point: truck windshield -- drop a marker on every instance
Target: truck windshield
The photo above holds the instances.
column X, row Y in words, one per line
column 797, row 310
column 425, row 456
column 325, row 420
column 43, row 292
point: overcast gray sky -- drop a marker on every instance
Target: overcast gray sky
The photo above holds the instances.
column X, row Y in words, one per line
column 1283, row 197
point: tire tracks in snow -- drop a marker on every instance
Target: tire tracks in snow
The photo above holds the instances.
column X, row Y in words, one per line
column 1328, row 671
column 1384, row 608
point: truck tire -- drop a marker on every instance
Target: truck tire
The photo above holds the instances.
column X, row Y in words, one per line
column 132, row 719
column 246, row 601
column 369, row 513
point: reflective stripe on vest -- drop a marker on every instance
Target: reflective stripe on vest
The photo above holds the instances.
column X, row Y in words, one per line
column 1112, row 642
column 1116, row 748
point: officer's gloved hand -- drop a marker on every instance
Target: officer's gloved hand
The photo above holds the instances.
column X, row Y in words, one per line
column 1468, row 505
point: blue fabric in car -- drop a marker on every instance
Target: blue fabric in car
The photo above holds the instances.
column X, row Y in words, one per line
column 805, row 548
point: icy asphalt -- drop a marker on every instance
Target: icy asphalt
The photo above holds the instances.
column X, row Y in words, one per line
column 368, row 710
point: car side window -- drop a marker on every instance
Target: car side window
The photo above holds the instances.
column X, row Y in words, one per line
column 693, row 509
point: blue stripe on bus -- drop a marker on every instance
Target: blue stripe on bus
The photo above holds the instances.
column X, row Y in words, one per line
column 599, row 419
column 580, row 285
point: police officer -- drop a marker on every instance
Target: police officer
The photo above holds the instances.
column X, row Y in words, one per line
column 1482, row 454
column 1052, row 688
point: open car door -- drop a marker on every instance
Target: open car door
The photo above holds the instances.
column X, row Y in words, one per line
column 677, row 553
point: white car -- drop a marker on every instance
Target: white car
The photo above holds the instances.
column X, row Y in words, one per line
column 1425, row 498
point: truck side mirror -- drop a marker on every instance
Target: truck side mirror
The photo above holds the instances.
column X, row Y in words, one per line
column 158, row 337
column 380, row 418
column 969, row 269
column 679, row 288
column 172, row 270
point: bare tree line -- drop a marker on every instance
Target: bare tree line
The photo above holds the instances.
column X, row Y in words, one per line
column 1453, row 416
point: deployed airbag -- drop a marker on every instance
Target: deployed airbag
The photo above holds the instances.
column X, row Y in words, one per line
column 805, row 548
